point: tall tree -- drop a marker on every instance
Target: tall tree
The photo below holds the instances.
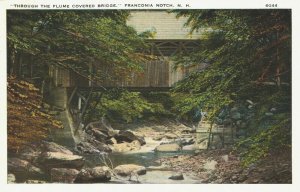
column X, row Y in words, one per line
column 75, row 40
column 248, row 53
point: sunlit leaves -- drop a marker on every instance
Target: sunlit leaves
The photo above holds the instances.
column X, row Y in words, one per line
column 26, row 122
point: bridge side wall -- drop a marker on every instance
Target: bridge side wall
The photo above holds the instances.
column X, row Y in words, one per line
column 153, row 74
column 158, row 73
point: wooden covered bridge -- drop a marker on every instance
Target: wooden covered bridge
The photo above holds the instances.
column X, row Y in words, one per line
column 171, row 37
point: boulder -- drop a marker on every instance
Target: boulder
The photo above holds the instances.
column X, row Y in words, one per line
column 188, row 130
column 177, row 176
column 188, row 141
column 158, row 137
column 23, row 169
column 210, row 165
column 30, row 154
column 129, row 170
column 63, row 175
column 99, row 135
column 125, row 147
column 171, row 136
column 189, row 147
column 61, row 160
column 168, row 148
column 93, row 147
column 93, row 175
column 102, row 126
column 54, row 147
column 112, row 141
column 87, row 148
column 101, row 146
column 128, row 136
column 11, row 178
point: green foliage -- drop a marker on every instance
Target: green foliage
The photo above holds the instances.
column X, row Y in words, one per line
column 248, row 57
column 79, row 41
column 275, row 136
column 76, row 40
column 241, row 51
column 122, row 105
column 165, row 98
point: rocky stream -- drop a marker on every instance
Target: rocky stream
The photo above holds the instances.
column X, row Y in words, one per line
column 163, row 152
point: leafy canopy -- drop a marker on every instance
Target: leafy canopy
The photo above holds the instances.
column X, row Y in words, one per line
column 248, row 57
column 76, row 40
column 121, row 105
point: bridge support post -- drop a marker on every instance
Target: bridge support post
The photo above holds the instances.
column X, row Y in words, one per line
column 71, row 96
column 58, row 97
column 83, row 109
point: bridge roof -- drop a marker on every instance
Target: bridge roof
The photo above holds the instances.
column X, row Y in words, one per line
column 166, row 25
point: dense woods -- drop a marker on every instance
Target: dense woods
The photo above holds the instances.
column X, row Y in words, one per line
column 246, row 83
column 249, row 57
column 73, row 40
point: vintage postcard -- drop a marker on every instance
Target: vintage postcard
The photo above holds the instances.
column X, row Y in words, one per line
column 149, row 92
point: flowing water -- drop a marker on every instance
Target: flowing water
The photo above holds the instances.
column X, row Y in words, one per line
column 146, row 159
column 145, row 156
column 155, row 173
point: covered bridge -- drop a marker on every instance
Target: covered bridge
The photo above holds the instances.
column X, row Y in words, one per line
column 171, row 37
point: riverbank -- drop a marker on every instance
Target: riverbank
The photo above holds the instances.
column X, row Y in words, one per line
column 224, row 166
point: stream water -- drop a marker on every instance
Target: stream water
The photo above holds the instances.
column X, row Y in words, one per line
column 155, row 173
column 145, row 156
column 146, row 159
